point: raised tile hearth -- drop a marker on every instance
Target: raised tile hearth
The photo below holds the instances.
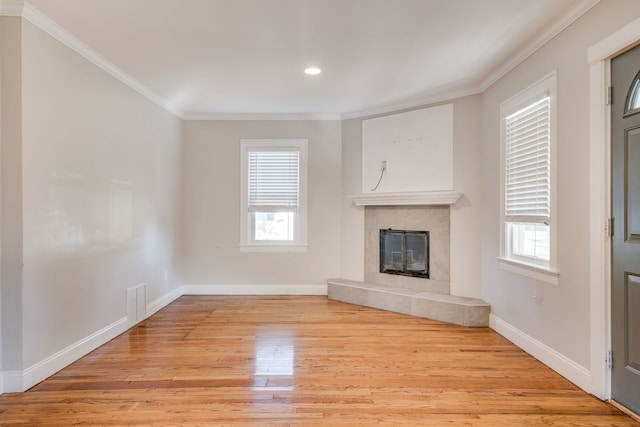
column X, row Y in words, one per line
column 445, row 308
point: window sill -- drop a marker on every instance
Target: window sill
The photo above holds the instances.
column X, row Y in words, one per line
column 543, row 274
column 273, row 248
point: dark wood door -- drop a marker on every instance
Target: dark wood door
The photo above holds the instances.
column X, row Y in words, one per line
column 625, row 293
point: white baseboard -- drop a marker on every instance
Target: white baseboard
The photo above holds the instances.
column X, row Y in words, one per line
column 24, row 380
column 254, row 289
column 574, row 372
column 18, row 381
column 163, row 301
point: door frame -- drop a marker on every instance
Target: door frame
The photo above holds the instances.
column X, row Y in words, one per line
column 599, row 57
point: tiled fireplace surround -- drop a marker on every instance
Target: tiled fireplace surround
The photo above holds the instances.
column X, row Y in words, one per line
column 434, row 219
column 428, row 298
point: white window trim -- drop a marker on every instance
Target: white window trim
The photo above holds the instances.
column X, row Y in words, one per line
column 547, row 273
column 246, row 243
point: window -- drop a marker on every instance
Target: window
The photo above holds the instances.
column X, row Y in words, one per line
column 528, row 179
column 273, row 199
column 632, row 105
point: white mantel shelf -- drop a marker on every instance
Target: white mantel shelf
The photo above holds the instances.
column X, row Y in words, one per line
column 410, row 198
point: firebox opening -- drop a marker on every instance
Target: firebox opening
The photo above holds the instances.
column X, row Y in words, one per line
column 404, row 252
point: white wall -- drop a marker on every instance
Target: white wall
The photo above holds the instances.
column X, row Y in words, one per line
column 211, row 220
column 11, row 191
column 465, row 215
column 101, row 183
column 352, row 241
column 558, row 318
column 1, row 83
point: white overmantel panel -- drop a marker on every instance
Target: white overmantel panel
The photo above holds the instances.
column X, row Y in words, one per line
column 408, row 152
column 408, row 198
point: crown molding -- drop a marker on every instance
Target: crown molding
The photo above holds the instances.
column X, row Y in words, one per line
column 394, row 108
column 261, row 116
column 547, row 35
column 38, row 19
column 11, row 7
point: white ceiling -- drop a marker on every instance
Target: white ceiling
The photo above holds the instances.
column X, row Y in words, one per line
column 214, row 57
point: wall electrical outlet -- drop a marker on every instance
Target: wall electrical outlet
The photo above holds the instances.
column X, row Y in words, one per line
column 383, row 166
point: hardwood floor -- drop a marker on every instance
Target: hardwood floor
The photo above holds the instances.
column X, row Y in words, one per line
column 207, row 360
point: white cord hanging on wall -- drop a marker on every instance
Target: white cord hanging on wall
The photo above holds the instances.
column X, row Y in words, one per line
column 383, row 169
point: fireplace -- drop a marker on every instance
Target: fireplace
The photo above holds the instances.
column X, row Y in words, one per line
column 404, row 252
column 434, row 220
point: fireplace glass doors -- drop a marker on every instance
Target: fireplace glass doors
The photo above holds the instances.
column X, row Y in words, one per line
column 404, row 252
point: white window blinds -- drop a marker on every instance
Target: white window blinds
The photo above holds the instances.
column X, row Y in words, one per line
column 274, row 181
column 527, row 178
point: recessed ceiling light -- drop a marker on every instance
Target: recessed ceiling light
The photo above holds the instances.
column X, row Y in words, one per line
column 312, row 71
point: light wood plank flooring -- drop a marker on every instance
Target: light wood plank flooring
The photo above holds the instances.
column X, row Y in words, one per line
column 207, row 360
